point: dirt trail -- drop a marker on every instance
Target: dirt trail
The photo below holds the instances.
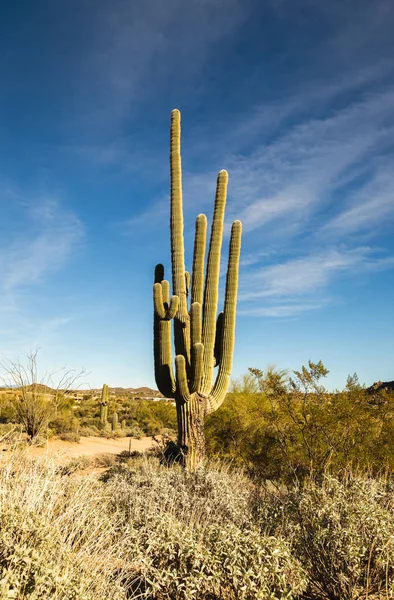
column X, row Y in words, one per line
column 93, row 446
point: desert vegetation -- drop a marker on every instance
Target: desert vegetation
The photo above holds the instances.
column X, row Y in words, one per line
column 143, row 530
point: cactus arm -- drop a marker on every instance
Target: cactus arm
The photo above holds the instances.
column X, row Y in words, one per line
column 218, row 339
column 230, row 303
column 164, row 370
column 211, row 292
column 158, row 303
column 159, row 273
column 196, row 346
column 181, row 377
column 164, row 308
column 162, row 334
column 171, row 305
column 195, row 323
column 199, row 259
column 197, row 366
column 181, row 324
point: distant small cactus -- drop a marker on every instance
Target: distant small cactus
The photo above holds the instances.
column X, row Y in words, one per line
column 104, row 405
column 115, row 421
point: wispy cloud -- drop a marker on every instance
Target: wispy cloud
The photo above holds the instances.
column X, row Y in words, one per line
column 138, row 47
column 298, row 285
column 42, row 244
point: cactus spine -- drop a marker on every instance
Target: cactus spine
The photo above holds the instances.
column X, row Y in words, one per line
column 202, row 340
column 104, row 405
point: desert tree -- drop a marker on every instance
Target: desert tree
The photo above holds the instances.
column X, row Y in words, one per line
column 37, row 400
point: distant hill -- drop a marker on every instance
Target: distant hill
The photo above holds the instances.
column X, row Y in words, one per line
column 38, row 387
column 379, row 386
column 140, row 392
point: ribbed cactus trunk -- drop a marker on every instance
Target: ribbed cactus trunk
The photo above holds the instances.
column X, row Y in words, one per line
column 203, row 340
column 115, row 421
column 104, row 405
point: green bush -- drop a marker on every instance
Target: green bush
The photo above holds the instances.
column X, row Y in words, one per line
column 283, row 432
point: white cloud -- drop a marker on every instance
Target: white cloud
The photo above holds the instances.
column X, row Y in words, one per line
column 41, row 245
column 302, row 284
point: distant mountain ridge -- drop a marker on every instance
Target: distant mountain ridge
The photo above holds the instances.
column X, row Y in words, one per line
column 379, row 386
column 139, row 392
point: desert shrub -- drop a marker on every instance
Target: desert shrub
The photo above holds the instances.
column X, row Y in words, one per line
column 76, row 464
column 64, row 422
column 89, row 431
column 7, row 409
column 343, row 533
column 282, row 432
column 11, row 433
column 193, row 536
column 70, row 436
column 150, row 532
column 135, row 431
column 58, row 538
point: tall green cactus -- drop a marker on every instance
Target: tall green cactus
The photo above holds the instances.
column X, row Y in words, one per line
column 202, row 340
column 104, row 405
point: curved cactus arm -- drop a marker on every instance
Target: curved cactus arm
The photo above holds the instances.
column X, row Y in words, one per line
column 170, row 304
column 181, row 377
column 181, row 324
column 197, row 367
column 200, row 240
column 211, row 292
column 230, row 303
column 218, row 339
column 163, row 310
column 162, row 346
column 164, row 374
column 160, row 310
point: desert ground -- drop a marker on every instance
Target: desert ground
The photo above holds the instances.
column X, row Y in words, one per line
column 92, row 446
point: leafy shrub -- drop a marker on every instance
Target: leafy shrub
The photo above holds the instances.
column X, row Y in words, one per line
column 282, row 432
column 193, row 536
column 343, row 533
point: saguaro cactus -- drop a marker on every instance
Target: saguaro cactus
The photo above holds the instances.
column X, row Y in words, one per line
column 202, row 340
column 115, row 422
column 104, row 405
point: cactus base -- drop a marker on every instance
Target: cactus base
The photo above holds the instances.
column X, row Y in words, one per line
column 191, row 438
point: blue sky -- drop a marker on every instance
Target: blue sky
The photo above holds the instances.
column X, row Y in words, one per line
column 295, row 98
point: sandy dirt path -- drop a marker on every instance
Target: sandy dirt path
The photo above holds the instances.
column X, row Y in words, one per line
column 93, row 446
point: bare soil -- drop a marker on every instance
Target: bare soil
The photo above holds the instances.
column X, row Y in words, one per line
column 93, row 446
